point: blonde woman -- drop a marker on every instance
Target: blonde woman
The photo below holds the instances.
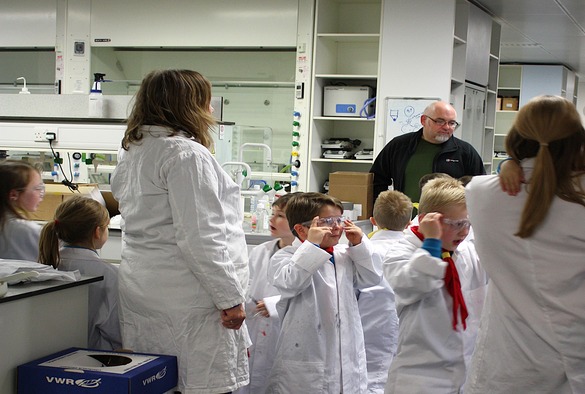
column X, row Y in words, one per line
column 532, row 246
column 184, row 268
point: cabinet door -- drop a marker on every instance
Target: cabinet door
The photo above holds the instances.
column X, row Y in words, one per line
column 538, row 80
column 477, row 57
column 474, row 118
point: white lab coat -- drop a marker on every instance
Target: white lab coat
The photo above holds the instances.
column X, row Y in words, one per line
column 532, row 337
column 184, row 259
column 103, row 321
column 263, row 330
column 431, row 355
column 379, row 319
column 321, row 346
column 19, row 239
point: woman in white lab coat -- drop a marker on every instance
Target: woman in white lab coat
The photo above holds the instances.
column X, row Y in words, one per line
column 532, row 337
column 184, row 273
column 21, row 192
column 70, row 243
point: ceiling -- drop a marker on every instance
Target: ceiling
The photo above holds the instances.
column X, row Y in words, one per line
column 541, row 31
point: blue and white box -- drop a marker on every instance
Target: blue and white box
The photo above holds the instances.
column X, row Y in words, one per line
column 345, row 100
column 78, row 370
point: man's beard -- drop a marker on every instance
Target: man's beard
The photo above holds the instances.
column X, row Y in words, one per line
column 442, row 138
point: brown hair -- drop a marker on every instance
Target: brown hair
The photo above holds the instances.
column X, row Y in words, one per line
column 176, row 99
column 303, row 207
column 74, row 223
column 549, row 129
column 283, row 200
column 392, row 210
column 14, row 175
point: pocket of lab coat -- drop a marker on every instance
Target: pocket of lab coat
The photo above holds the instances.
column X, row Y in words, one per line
column 295, row 377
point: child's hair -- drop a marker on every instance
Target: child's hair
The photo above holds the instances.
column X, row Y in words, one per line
column 440, row 194
column 465, row 179
column 74, row 222
column 392, row 210
column 303, row 207
column 14, row 175
column 176, row 99
column 433, row 175
column 549, row 129
column 283, row 200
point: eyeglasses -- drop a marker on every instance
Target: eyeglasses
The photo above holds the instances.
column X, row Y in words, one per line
column 458, row 225
column 442, row 122
column 38, row 188
column 333, row 221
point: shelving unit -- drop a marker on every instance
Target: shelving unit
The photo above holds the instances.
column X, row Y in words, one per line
column 347, row 47
column 474, row 75
column 525, row 82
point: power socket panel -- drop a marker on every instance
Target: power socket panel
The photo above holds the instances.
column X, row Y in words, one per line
column 40, row 134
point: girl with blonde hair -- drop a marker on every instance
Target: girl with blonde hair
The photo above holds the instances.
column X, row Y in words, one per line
column 70, row 242
column 532, row 247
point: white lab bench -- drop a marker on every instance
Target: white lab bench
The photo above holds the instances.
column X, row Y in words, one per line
column 38, row 319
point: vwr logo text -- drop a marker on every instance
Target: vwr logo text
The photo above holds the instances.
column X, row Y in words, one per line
column 85, row 383
column 159, row 375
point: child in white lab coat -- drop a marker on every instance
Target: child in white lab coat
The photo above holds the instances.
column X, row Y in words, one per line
column 21, row 192
column 261, row 315
column 81, row 227
column 392, row 213
column 321, row 347
column 430, row 277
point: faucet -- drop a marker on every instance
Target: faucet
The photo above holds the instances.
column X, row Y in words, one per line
column 257, row 145
column 240, row 176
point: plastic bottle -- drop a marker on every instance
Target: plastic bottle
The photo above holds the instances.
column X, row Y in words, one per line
column 278, row 190
column 262, row 218
column 254, row 198
column 96, row 99
column 269, row 194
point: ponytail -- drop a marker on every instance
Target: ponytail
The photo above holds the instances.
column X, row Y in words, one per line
column 49, row 245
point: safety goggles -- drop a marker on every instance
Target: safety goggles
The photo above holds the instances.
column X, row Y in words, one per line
column 333, row 221
column 458, row 225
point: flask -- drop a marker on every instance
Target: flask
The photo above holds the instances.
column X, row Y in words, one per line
column 96, row 99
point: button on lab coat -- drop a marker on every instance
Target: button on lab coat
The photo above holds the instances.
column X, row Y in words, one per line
column 184, row 259
column 321, row 345
column 533, row 326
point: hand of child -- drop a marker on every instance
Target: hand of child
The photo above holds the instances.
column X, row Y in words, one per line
column 511, row 177
column 234, row 317
column 261, row 309
column 352, row 232
column 317, row 233
column 430, row 225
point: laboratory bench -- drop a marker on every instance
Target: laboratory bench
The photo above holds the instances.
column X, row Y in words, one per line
column 38, row 319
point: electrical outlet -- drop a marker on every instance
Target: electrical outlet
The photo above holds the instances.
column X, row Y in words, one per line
column 46, row 134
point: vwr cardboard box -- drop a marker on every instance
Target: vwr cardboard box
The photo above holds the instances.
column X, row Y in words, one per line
column 356, row 187
column 55, row 193
column 92, row 371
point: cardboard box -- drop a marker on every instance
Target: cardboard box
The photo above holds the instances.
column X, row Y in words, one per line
column 356, row 187
column 56, row 193
column 82, row 370
column 498, row 103
column 510, row 104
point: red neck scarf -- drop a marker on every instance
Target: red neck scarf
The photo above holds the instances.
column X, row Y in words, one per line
column 452, row 284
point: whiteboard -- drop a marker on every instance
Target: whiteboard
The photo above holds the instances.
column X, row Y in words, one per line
column 403, row 114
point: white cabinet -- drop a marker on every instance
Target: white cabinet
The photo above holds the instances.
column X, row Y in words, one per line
column 474, row 75
column 347, row 46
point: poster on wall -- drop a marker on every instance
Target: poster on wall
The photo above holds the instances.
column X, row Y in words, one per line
column 403, row 114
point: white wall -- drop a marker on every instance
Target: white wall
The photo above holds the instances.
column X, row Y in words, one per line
column 581, row 100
